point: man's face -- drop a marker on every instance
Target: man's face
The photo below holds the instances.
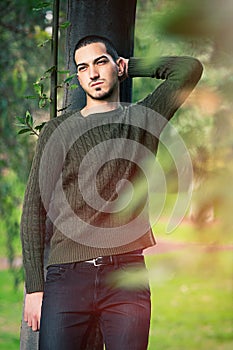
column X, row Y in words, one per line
column 97, row 72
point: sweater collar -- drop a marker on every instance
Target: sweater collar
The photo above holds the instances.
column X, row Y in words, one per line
column 108, row 114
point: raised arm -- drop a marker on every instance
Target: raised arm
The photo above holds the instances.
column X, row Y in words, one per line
column 181, row 74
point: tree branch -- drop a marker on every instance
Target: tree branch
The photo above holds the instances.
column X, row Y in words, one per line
column 54, row 56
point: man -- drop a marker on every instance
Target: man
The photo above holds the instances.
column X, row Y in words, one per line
column 80, row 178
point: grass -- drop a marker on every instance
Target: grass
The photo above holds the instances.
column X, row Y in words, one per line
column 10, row 312
column 191, row 302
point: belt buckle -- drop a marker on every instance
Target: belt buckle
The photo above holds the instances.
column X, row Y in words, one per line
column 95, row 261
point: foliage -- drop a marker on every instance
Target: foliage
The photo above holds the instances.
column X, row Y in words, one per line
column 25, row 65
column 202, row 29
column 21, row 61
column 27, row 124
column 11, row 190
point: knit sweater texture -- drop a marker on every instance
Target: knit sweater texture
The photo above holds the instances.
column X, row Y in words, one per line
column 84, row 170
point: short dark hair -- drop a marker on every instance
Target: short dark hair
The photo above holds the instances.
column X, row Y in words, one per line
column 90, row 39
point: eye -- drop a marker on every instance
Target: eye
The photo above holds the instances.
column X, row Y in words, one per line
column 82, row 68
column 102, row 61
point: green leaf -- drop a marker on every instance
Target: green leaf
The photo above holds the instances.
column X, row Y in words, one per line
column 73, row 86
column 42, row 5
column 38, row 88
column 23, row 131
column 49, row 70
column 63, row 71
column 44, row 43
column 65, row 25
column 21, row 120
column 31, row 97
column 68, row 79
column 29, row 119
column 46, row 74
column 42, row 102
column 40, row 126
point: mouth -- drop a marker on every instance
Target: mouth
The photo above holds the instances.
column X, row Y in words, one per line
column 97, row 83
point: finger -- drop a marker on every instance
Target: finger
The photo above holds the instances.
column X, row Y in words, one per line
column 25, row 313
column 34, row 324
column 29, row 322
column 25, row 316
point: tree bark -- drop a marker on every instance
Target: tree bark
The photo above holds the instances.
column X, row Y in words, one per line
column 115, row 20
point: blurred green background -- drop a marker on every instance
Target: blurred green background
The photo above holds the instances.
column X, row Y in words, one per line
column 191, row 268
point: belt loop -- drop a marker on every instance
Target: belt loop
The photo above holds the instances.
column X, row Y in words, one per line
column 114, row 261
column 73, row 265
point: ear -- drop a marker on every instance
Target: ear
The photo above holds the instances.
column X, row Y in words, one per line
column 122, row 64
column 121, row 67
column 78, row 78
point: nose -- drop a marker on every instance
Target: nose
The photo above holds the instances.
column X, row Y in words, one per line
column 94, row 73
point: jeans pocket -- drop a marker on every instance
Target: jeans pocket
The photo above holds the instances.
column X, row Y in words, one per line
column 134, row 275
column 132, row 266
column 56, row 273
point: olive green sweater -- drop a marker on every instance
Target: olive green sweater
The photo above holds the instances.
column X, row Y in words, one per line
column 84, row 170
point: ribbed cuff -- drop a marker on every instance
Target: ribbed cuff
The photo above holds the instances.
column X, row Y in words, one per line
column 141, row 67
column 34, row 281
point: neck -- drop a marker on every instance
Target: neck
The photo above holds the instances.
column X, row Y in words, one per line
column 101, row 106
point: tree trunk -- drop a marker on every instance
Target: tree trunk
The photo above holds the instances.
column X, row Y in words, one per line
column 115, row 20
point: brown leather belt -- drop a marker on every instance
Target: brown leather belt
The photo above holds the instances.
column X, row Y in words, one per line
column 116, row 259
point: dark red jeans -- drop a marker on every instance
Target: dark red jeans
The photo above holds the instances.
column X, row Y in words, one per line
column 78, row 294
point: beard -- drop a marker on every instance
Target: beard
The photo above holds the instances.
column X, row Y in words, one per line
column 103, row 96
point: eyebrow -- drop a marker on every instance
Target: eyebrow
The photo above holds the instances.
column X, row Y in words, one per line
column 95, row 60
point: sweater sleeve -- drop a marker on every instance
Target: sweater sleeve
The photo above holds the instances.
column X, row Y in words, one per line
column 181, row 74
column 32, row 228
